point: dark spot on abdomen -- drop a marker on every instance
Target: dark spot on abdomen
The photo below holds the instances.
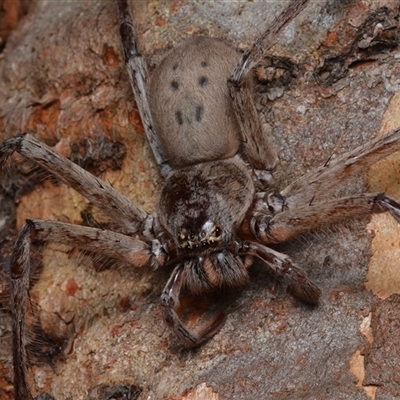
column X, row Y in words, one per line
column 174, row 85
column 199, row 113
column 179, row 117
column 203, row 81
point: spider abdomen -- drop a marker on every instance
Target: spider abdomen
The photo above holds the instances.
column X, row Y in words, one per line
column 190, row 102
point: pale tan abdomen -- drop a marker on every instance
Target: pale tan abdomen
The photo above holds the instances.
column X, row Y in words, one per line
column 190, row 103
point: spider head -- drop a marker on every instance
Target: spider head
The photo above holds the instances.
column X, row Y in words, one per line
column 201, row 206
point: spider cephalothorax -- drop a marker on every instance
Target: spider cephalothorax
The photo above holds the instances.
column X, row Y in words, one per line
column 204, row 204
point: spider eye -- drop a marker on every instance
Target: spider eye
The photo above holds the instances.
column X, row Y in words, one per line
column 215, row 235
column 217, row 232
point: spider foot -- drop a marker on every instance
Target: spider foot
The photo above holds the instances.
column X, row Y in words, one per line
column 8, row 147
column 306, row 291
column 389, row 204
column 193, row 319
column 194, row 322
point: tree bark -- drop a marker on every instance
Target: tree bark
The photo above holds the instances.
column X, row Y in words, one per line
column 331, row 85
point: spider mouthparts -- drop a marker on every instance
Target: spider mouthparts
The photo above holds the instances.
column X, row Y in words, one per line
column 209, row 236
